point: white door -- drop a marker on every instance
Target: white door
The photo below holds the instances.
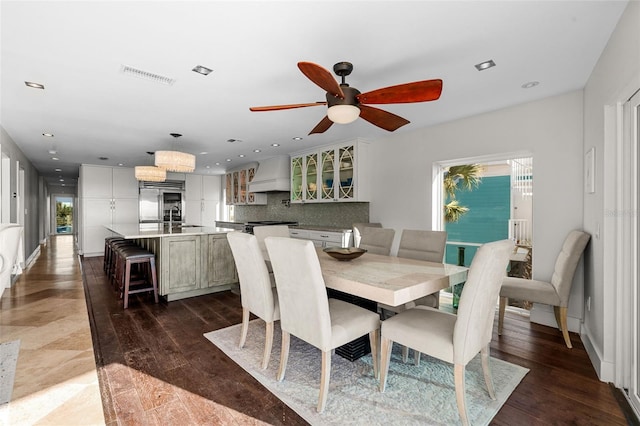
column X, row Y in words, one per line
column 633, row 119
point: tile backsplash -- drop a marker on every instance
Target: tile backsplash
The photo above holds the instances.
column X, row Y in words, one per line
column 335, row 215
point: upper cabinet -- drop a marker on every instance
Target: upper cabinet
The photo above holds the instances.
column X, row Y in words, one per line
column 202, row 199
column 331, row 173
column 237, row 187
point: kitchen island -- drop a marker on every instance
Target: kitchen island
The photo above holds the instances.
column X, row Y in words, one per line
column 190, row 260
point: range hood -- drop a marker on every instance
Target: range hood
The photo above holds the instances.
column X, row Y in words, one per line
column 272, row 175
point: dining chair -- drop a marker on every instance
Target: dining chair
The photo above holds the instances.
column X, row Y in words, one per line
column 419, row 245
column 307, row 313
column 262, row 232
column 456, row 339
column 357, row 230
column 257, row 294
column 555, row 292
column 377, row 240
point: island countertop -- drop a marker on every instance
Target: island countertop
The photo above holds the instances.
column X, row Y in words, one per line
column 154, row 230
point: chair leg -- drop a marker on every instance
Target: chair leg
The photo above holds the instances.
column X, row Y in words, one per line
column 563, row 326
column 268, row 342
column 405, row 354
column 503, row 306
column 385, row 359
column 284, row 355
column 556, row 312
column 416, row 358
column 374, row 341
column 245, row 327
column 458, row 376
column 325, row 376
column 486, row 369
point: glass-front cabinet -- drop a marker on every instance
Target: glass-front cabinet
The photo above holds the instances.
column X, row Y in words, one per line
column 237, row 184
column 331, row 173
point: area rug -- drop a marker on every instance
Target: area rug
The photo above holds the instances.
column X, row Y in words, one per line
column 8, row 361
column 423, row 395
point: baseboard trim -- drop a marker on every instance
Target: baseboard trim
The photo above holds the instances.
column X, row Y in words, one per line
column 604, row 369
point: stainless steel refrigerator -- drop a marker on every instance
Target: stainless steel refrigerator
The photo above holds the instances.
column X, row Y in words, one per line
column 161, row 202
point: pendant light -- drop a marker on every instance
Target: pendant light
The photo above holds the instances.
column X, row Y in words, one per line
column 150, row 173
column 175, row 161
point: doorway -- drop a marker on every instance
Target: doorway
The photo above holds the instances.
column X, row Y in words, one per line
column 64, row 214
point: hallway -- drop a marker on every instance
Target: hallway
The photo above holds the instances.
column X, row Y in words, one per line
column 55, row 381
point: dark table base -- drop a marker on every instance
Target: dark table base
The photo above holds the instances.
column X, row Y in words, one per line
column 359, row 347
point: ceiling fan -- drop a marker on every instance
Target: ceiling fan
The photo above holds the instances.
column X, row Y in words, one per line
column 346, row 103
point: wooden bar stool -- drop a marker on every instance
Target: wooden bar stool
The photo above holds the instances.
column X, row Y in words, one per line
column 113, row 258
column 108, row 252
column 127, row 280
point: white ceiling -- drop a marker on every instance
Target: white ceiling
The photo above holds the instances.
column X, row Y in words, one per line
column 77, row 48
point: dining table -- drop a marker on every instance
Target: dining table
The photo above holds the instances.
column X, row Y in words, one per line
column 373, row 278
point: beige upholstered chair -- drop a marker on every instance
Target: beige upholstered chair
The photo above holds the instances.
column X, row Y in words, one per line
column 420, row 245
column 257, row 294
column 456, row 339
column 377, row 240
column 556, row 292
column 357, row 230
column 307, row 313
column 262, row 232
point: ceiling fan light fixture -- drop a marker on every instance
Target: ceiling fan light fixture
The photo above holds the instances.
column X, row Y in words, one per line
column 150, row 173
column 175, row 161
column 343, row 114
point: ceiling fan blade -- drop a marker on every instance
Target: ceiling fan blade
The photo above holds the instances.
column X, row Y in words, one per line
column 322, row 126
column 322, row 78
column 381, row 118
column 419, row 91
column 290, row 106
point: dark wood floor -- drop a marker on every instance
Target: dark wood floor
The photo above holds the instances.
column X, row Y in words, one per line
column 155, row 367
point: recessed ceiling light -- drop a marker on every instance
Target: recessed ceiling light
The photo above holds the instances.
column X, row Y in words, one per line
column 55, row 158
column 61, row 180
column 62, row 184
column 217, row 164
column 241, row 155
column 175, row 135
column 120, row 164
column 228, row 159
column 275, row 144
column 233, row 140
column 202, row 70
column 256, row 150
column 207, row 167
column 58, row 170
column 53, row 152
column 297, row 138
column 485, row 65
column 530, row 84
column 34, row 85
column 49, row 135
column 203, row 153
column 103, row 158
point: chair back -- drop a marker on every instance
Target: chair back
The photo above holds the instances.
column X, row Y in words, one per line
column 357, row 230
column 256, row 293
column 304, row 305
column 377, row 240
column 423, row 245
column 262, row 232
column 567, row 262
column 476, row 311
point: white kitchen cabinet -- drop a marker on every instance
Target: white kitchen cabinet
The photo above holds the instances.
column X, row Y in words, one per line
column 323, row 238
column 331, row 173
column 237, row 187
column 202, row 199
column 108, row 195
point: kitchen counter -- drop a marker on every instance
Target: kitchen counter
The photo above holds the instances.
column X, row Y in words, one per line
column 190, row 260
column 154, row 230
column 321, row 228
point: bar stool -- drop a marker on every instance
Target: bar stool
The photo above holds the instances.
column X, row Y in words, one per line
column 113, row 257
column 127, row 282
column 108, row 252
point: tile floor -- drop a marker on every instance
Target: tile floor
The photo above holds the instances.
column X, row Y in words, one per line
column 56, row 382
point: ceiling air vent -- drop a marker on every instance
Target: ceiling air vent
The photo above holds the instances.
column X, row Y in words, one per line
column 146, row 75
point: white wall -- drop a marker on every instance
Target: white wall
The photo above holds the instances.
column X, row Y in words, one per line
column 551, row 129
column 614, row 79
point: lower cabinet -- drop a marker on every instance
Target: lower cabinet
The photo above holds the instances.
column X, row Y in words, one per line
column 323, row 238
column 192, row 265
